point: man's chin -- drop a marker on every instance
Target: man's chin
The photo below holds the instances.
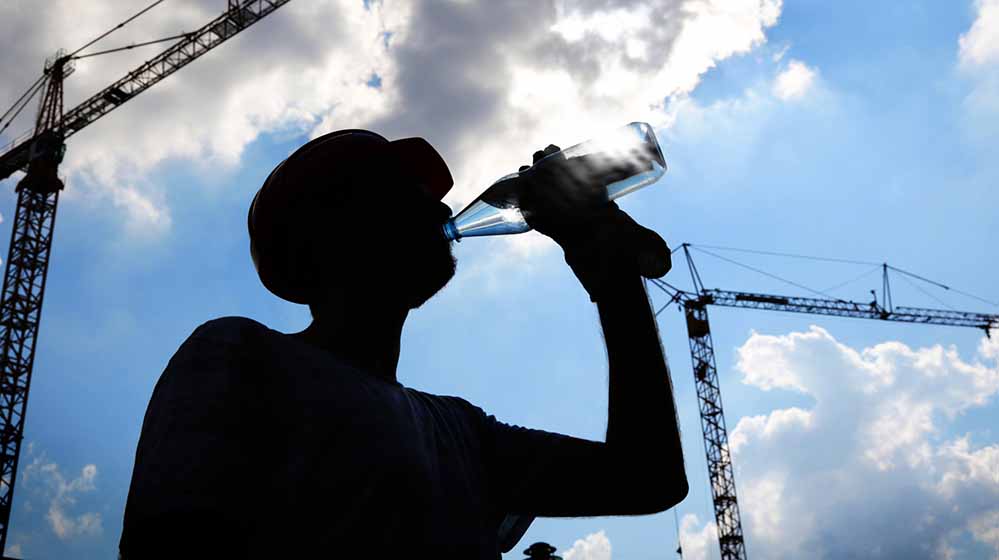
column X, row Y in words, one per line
column 432, row 282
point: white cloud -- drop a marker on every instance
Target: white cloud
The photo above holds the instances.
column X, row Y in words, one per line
column 980, row 45
column 486, row 83
column 697, row 541
column 989, row 346
column 868, row 469
column 45, row 479
column 978, row 61
column 14, row 550
column 964, row 467
column 779, row 55
column 794, row 81
column 594, row 546
column 769, row 426
column 985, row 529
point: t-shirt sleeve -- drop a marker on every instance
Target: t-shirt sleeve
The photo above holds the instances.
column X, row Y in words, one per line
column 531, row 470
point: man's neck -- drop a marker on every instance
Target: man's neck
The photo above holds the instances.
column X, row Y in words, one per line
column 366, row 339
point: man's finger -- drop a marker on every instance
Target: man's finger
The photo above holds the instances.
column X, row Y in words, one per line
column 551, row 149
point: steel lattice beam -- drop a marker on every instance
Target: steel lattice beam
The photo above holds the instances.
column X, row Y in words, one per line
column 716, row 449
column 20, row 313
column 840, row 308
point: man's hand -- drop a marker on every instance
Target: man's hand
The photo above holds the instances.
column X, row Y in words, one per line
column 566, row 199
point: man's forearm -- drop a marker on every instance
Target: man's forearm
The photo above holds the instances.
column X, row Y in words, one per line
column 642, row 420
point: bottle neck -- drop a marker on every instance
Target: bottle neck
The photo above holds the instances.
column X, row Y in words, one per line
column 451, row 231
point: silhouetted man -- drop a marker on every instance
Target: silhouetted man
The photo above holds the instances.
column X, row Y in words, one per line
column 260, row 444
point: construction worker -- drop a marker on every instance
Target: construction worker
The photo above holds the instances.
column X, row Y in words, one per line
column 258, row 443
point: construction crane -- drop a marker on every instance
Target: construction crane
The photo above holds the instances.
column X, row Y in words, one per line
column 702, row 354
column 39, row 155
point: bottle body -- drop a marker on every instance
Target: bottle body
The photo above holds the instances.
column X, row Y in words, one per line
column 631, row 152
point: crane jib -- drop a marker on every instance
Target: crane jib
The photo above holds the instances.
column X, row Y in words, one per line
column 178, row 55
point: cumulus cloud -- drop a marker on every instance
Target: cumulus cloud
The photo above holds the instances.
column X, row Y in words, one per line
column 794, row 81
column 594, row 546
column 978, row 60
column 867, row 470
column 44, row 478
column 985, row 528
column 698, row 541
column 486, row 82
column 980, row 44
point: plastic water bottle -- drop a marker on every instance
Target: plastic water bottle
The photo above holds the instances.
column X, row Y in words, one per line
column 631, row 152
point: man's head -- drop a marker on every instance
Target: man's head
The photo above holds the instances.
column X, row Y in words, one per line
column 350, row 215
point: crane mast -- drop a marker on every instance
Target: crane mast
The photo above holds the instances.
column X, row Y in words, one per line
column 38, row 198
column 716, row 448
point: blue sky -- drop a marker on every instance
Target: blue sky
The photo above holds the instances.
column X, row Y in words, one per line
column 855, row 130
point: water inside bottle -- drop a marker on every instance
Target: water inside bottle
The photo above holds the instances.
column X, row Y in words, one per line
column 495, row 212
column 624, row 161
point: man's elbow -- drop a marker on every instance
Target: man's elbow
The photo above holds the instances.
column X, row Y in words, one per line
column 661, row 495
column 675, row 493
column 671, row 494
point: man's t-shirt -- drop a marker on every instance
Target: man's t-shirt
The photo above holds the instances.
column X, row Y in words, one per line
column 256, row 444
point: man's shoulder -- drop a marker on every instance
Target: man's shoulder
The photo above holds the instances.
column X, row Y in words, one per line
column 223, row 350
column 459, row 404
column 219, row 337
column 232, row 329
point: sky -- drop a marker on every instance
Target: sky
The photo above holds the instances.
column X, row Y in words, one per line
column 853, row 130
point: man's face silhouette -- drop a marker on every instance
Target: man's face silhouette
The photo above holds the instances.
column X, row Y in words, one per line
column 383, row 239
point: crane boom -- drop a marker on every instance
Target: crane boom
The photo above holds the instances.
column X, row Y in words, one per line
column 152, row 71
column 840, row 308
column 38, row 198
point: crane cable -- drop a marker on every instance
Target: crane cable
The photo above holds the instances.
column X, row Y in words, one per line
column 676, row 523
column 763, row 272
column 132, row 46
column 928, row 294
column 28, row 93
column 117, row 27
column 37, row 87
column 791, row 255
column 854, row 279
column 33, row 88
column 939, row 285
column 26, row 98
column 827, row 259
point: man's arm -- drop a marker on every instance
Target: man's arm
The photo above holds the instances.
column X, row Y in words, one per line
column 639, row 469
column 643, row 435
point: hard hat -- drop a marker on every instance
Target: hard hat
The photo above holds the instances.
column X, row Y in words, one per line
column 327, row 162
